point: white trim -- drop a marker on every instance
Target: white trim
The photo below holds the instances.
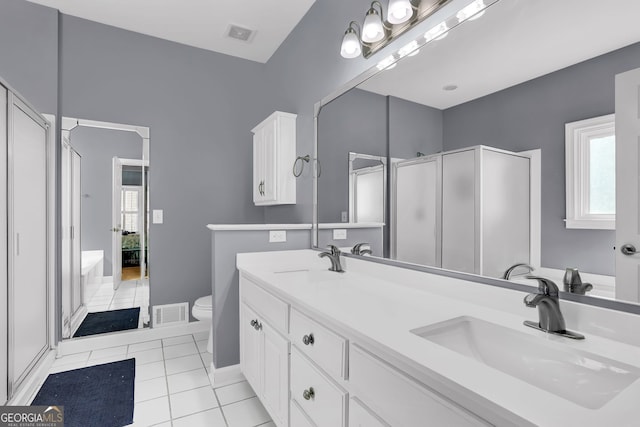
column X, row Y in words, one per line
column 535, row 204
column 224, row 376
column 114, row 339
column 69, row 123
column 254, row 227
column 577, row 135
column 51, row 217
column 32, row 383
column 76, row 319
column 340, row 225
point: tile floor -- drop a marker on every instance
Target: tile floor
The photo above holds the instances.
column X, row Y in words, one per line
column 172, row 385
column 132, row 293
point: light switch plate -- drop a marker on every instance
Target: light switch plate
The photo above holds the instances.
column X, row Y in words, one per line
column 277, row 236
column 158, row 216
column 340, row 234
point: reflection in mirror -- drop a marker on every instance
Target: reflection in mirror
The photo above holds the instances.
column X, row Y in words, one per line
column 105, row 228
column 367, row 187
column 499, row 82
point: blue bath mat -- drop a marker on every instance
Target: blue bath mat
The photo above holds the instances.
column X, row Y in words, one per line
column 108, row 321
column 97, row 396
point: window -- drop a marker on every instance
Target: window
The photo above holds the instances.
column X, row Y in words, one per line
column 591, row 173
column 130, row 209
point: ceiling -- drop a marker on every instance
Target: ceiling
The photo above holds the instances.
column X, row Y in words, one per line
column 198, row 23
column 515, row 41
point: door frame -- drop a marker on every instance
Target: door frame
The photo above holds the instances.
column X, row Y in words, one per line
column 143, row 231
column 70, row 123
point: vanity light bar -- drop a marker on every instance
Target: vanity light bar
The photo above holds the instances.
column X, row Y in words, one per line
column 470, row 12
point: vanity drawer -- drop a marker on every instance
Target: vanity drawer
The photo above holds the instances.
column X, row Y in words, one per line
column 270, row 308
column 326, row 406
column 298, row 417
column 399, row 399
column 327, row 349
column 360, row 416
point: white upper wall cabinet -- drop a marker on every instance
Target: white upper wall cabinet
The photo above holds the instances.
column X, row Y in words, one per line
column 274, row 151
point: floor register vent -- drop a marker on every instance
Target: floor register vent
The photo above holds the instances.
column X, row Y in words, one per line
column 170, row 314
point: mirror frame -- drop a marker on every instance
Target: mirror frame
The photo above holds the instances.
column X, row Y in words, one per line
column 623, row 306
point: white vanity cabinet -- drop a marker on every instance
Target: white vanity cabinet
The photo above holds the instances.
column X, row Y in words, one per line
column 264, row 351
column 274, row 152
column 316, row 376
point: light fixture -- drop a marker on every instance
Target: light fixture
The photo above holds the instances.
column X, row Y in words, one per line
column 402, row 15
column 473, row 11
column 351, row 47
column 438, row 32
column 399, row 11
column 387, row 63
column 373, row 28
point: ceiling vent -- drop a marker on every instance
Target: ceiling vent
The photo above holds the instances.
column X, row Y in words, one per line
column 240, row 33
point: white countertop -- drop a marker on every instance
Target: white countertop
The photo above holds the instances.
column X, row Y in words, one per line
column 380, row 313
column 252, row 227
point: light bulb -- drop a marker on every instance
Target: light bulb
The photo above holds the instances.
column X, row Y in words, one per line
column 473, row 11
column 372, row 30
column 399, row 11
column 438, row 32
column 350, row 44
column 409, row 49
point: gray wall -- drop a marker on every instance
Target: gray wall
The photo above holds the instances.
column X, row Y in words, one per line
column 412, row 128
column 532, row 115
column 200, row 107
column 225, row 245
column 357, row 122
column 97, row 147
column 373, row 236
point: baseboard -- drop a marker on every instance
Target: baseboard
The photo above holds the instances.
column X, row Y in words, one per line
column 224, row 376
column 96, row 342
column 77, row 318
column 28, row 389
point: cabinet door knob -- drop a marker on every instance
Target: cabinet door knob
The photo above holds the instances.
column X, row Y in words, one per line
column 253, row 323
column 257, row 326
column 309, row 394
column 308, row 339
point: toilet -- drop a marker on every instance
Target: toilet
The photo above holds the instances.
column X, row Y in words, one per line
column 203, row 310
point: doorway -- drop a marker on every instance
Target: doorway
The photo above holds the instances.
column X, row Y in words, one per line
column 108, row 273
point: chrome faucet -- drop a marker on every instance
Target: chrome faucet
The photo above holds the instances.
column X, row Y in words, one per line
column 334, row 256
column 357, row 249
column 548, row 303
column 573, row 283
column 507, row 274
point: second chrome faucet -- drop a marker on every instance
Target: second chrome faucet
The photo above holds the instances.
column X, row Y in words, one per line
column 334, row 256
column 547, row 301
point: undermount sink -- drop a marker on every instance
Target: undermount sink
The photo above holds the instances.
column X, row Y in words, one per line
column 584, row 378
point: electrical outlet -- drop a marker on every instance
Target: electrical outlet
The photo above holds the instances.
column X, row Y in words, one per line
column 345, row 216
column 277, row 236
column 340, row 234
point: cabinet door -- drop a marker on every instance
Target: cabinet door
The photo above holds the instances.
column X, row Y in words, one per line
column 275, row 387
column 258, row 165
column 269, row 150
column 250, row 349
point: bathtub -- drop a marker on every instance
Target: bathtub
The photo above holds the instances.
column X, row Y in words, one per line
column 91, row 272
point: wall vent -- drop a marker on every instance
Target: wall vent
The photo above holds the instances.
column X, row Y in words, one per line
column 170, row 314
column 240, row 33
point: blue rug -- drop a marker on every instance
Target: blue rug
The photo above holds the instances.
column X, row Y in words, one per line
column 97, row 396
column 108, row 321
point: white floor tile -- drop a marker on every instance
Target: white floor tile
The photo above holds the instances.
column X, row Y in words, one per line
column 183, row 364
column 72, row 358
column 210, row 418
column 199, row 336
column 187, row 380
column 147, row 356
column 67, row 367
column 151, row 412
column 108, row 352
column 207, row 358
column 192, row 401
column 269, row 424
column 118, row 305
column 182, row 339
column 249, row 412
column 102, row 361
column 234, row 393
column 180, row 350
column 150, row 389
column 150, row 371
column 202, row 346
column 147, row 345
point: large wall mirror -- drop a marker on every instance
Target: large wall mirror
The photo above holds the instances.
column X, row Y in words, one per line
column 474, row 126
